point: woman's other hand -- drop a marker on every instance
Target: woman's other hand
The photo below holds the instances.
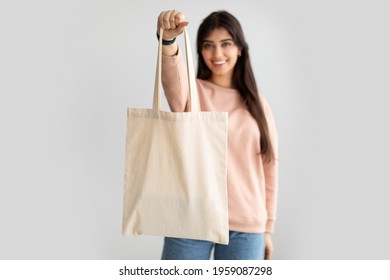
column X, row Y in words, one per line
column 269, row 247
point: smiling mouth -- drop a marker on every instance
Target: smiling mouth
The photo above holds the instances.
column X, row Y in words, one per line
column 219, row 63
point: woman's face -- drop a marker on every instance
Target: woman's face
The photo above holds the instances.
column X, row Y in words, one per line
column 220, row 53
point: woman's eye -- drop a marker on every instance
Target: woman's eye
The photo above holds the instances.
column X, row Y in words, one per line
column 226, row 44
column 207, row 46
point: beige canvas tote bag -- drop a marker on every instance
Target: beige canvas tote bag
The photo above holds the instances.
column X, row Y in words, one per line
column 175, row 168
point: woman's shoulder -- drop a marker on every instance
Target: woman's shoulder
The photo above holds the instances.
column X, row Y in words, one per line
column 266, row 107
column 263, row 101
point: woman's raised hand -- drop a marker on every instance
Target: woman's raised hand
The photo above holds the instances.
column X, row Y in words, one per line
column 173, row 22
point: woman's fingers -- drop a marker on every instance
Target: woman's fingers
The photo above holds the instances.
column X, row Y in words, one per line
column 166, row 20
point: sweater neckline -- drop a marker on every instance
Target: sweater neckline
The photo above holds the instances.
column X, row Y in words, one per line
column 231, row 90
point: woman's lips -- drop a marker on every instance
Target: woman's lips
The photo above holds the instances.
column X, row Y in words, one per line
column 219, row 62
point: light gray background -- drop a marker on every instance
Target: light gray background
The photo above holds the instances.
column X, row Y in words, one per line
column 69, row 70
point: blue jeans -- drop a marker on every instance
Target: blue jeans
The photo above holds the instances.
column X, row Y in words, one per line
column 242, row 246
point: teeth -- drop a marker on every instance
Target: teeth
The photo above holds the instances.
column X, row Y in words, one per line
column 219, row 62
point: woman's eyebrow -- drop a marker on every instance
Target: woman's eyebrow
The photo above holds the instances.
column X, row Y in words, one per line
column 223, row 40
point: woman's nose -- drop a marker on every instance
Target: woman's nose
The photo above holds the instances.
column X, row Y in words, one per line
column 217, row 51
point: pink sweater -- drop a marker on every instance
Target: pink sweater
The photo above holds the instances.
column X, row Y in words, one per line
column 252, row 183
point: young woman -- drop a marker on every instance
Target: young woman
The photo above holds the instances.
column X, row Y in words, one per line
column 226, row 83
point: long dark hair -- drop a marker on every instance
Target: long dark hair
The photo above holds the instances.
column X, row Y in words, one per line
column 243, row 78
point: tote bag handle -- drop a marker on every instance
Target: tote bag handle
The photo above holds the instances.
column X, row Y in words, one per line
column 193, row 94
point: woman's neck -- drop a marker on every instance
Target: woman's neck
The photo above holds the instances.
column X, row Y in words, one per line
column 224, row 82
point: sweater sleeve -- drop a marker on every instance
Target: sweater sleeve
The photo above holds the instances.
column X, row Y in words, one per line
column 175, row 82
column 271, row 169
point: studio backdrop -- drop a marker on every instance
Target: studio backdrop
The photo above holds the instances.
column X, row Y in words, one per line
column 70, row 69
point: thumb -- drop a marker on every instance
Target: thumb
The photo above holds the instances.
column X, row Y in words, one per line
column 181, row 26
